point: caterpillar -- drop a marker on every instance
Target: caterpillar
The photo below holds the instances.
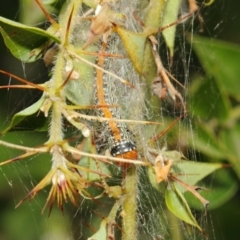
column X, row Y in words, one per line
column 119, row 137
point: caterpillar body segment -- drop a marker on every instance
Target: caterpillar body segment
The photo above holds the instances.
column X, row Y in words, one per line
column 119, row 137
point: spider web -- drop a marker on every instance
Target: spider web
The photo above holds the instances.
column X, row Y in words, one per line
column 78, row 223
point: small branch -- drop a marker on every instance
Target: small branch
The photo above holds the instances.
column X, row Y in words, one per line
column 103, row 158
column 97, row 67
column 27, row 149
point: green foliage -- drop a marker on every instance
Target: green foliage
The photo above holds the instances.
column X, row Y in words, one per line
column 214, row 99
column 17, row 36
column 218, row 93
column 171, row 13
column 178, row 205
column 70, row 88
column 221, row 63
column 22, row 119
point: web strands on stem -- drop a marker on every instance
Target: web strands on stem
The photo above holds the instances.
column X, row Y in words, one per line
column 110, row 92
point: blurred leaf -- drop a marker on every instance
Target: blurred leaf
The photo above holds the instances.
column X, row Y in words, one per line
column 31, row 14
column 24, row 120
column 14, row 227
column 231, row 141
column 220, row 188
column 90, row 163
column 18, row 36
column 90, row 3
column 178, row 205
column 36, row 168
column 174, row 155
column 170, row 15
column 107, row 222
column 221, row 60
column 46, row 2
column 101, row 233
column 206, row 142
column 234, row 116
column 208, row 101
column 208, row 2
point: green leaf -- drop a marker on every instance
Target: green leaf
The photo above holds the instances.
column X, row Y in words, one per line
column 208, row 100
column 191, row 172
column 23, row 119
column 81, row 91
column 170, row 15
column 178, row 205
column 90, row 3
column 134, row 44
column 220, row 188
column 155, row 11
column 160, row 187
column 101, row 233
column 231, row 142
column 221, row 60
column 137, row 45
column 36, row 15
column 46, row 2
column 206, row 142
column 22, row 39
column 139, row 50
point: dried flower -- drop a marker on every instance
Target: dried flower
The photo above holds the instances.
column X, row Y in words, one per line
column 66, row 181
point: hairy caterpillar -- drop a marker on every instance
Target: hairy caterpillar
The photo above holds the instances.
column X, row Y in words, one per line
column 119, row 137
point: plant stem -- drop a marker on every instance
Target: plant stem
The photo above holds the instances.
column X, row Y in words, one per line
column 56, row 92
column 175, row 231
column 55, row 131
column 129, row 207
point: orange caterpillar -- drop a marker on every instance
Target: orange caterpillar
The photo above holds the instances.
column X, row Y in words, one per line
column 119, row 140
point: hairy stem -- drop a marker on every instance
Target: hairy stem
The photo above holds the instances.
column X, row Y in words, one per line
column 56, row 91
column 55, row 131
column 129, row 218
